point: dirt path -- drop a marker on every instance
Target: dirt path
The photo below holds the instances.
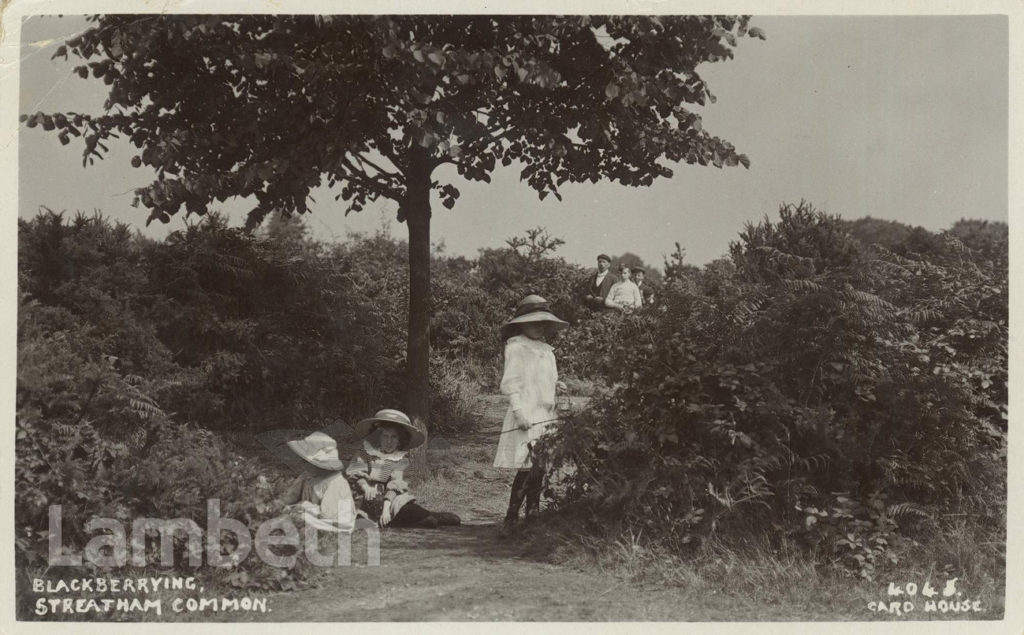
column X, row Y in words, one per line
column 466, row 572
column 460, row 574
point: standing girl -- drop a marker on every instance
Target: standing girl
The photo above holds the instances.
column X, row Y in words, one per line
column 531, row 382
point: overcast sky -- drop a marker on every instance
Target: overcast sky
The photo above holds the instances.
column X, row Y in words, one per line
column 901, row 118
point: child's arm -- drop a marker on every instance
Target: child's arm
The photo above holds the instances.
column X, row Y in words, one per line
column 512, row 380
column 358, row 470
column 292, row 495
column 357, row 467
column 396, row 483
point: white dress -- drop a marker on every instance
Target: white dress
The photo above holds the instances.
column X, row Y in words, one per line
column 529, row 381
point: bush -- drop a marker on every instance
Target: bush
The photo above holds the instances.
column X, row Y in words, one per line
column 91, row 439
column 130, row 352
column 277, row 329
column 171, row 478
column 803, row 390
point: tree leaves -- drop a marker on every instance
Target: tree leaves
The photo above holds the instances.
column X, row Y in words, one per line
column 428, row 139
column 236, row 92
column 449, row 194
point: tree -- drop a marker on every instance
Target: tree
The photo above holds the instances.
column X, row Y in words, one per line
column 270, row 106
column 675, row 266
column 633, row 261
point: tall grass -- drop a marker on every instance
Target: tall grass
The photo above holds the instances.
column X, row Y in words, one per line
column 758, row 577
column 456, row 391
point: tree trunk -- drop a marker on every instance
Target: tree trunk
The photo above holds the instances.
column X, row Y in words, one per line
column 416, row 211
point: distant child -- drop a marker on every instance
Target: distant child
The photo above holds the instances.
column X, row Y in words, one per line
column 531, row 382
column 646, row 291
column 624, row 295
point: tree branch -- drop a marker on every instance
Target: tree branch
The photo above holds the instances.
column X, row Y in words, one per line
column 363, row 160
column 491, row 138
column 381, row 189
column 385, row 146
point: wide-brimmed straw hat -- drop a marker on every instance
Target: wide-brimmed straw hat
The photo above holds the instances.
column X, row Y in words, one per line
column 532, row 308
column 366, row 426
column 318, row 449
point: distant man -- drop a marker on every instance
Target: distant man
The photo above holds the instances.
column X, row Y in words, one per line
column 599, row 284
column 646, row 291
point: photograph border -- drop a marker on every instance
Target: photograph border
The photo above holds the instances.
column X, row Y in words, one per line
column 11, row 15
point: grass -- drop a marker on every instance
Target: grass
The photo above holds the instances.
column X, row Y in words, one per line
column 749, row 578
column 457, row 387
column 463, row 479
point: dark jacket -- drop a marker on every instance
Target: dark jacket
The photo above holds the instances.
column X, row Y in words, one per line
column 646, row 292
column 594, row 295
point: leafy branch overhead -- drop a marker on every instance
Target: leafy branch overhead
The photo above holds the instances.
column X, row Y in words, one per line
column 273, row 106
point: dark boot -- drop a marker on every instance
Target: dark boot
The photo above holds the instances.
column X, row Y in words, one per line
column 430, row 522
column 514, row 503
column 447, row 518
column 533, row 486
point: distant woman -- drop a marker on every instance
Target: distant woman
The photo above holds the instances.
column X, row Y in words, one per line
column 531, row 382
column 624, row 294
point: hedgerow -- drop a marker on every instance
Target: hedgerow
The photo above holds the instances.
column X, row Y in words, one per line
column 812, row 387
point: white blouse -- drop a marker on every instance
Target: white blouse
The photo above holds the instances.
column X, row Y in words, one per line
column 624, row 293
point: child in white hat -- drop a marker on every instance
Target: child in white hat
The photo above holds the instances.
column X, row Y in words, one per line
column 322, row 493
column 531, row 382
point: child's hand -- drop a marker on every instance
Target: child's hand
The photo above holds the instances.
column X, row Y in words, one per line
column 521, row 422
column 560, row 387
column 369, row 491
column 385, row 514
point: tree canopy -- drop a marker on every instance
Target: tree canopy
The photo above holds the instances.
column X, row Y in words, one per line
column 269, row 106
column 273, row 106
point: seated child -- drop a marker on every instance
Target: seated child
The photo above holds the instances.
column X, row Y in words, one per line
column 322, row 493
column 377, row 471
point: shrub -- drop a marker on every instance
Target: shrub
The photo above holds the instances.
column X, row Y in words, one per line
column 798, row 391
column 92, row 439
column 273, row 326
